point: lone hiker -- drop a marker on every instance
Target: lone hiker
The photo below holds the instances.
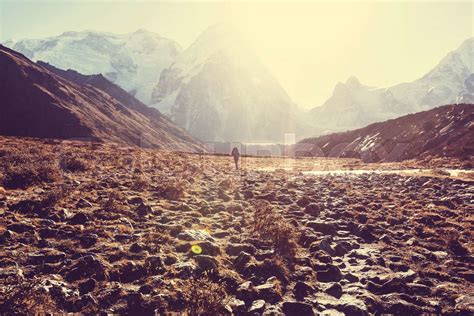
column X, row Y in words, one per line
column 235, row 153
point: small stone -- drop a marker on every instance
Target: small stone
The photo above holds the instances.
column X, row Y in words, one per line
column 302, row 289
column 457, row 248
column 87, row 286
column 88, row 266
column 194, row 235
column 269, row 291
column 326, row 246
column 7, row 234
column 132, row 271
column 323, row 227
column 206, row 263
column 143, row 210
column 79, row 219
column 366, row 233
column 145, row 289
column 83, row 203
column 136, row 200
column 241, row 261
column 236, row 249
column 330, row 274
column 312, row 209
column 297, row 308
column 335, row 290
column 465, row 303
column 20, row 228
column 303, row 202
column 257, row 306
column 236, row 306
column 137, row 247
column 351, row 278
column 340, row 250
column 88, row 240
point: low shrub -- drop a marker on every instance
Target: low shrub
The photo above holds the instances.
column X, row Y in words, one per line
column 202, row 296
column 19, row 296
column 272, row 227
column 73, row 164
column 24, row 169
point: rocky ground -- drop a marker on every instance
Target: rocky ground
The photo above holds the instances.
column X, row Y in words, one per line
column 100, row 228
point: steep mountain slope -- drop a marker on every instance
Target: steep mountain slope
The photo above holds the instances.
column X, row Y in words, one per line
column 100, row 82
column 354, row 105
column 444, row 131
column 219, row 91
column 133, row 61
column 38, row 103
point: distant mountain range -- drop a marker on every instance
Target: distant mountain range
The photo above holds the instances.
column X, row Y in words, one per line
column 134, row 61
column 443, row 131
column 354, row 105
column 218, row 90
column 39, row 100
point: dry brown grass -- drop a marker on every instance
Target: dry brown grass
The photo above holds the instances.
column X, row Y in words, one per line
column 140, row 183
column 272, row 227
column 19, row 296
column 72, row 163
column 172, row 190
column 114, row 202
column 54, row 196
column 203, row 296
column 154, row 241
column 24, row 169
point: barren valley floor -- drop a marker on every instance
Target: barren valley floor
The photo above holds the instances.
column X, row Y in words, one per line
column 89, row 228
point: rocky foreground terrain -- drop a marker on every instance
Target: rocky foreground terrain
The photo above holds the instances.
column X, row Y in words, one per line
column 100, row 228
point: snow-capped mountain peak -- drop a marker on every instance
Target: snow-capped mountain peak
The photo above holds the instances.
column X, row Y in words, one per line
column 219, row 90
column 354, row 105
column 134, row 60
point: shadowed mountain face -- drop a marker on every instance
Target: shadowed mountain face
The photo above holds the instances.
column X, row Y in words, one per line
column 37, row 102
column 443, row 131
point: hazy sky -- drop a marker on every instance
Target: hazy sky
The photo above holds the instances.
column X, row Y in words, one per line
column 309, row 46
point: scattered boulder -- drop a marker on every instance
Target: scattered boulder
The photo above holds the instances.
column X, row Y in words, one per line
column 206, row 263
column 325, row 245
column 325, row 228
column 79, row 219
column 257, row 306
column 20, row 228
column 236, row 249
column 297, row 308
column 302, row 289
column 312, row 209
column 88, row 266
column 241, row 261
column 457, row 248
column 335, row 290
column 269, row 291
column 330, row 274
column 87, row 286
